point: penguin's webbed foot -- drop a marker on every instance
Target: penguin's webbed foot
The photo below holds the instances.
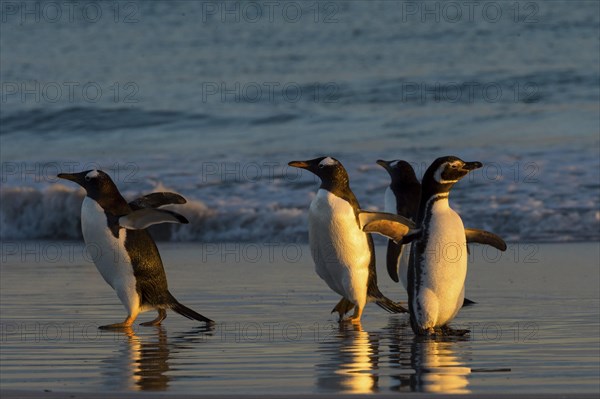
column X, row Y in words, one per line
column 119, row 326
column 355, row 318
column 427, row 332
column 351, row 319
column 443, row 331
column 162, row 314
column 342, row 307
column 151, row 323
column 116, row 326
column 451, row 332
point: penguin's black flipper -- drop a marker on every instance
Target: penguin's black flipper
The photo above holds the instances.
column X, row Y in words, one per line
column 366, row 217
column 395, row 227
column 187, row 312
column 143, row 218
column 156, row 200
column 397, row 232
column 392, row 256
column 485, row 237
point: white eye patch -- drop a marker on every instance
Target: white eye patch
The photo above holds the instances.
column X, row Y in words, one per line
column 328, row 162
column 438, row 173
column 92, row 174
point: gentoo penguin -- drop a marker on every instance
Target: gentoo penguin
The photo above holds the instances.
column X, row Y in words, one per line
column 344, row 255
column 128, row 259
column 402, row 197
column 438, row 260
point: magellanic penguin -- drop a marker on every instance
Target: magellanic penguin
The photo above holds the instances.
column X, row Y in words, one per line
column 128, row 259
column 438, row 260
column 402, row 197
column 344, row 255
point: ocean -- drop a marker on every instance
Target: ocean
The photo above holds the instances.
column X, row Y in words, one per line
column 213, row 99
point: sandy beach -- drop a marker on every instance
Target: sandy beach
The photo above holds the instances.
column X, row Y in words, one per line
column 533, row 331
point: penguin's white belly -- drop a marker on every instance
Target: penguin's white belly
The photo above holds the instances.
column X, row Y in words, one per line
column 443, row 268
column 339, row 248
column 109, row 253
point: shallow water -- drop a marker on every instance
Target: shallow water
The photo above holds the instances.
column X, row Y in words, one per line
column 535, row 327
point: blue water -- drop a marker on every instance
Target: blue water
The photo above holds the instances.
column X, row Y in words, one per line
column 212, row 100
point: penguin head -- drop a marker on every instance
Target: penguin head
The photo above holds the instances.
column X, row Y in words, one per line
column 400, row 171
column 333, row 175
column 444, row 172
column 330, row 170
column 98, row 186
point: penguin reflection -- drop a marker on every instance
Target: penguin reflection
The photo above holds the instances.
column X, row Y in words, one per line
column 141, row 363
column 438, row 367
column 352, row 361
column 432, row 365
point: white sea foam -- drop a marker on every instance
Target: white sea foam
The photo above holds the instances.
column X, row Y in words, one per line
column 275, row 210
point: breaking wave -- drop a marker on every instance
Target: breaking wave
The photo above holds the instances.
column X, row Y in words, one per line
column 54, row 213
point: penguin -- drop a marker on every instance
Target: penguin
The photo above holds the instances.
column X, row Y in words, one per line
column 128, row 258
column 438, row 260
column 402, row 197
column 344, row 255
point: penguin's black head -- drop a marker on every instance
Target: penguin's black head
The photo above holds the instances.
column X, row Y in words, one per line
column 400, row 171
column 327, row 168
column 444, row 172
column 97, row 184
column 333, row 175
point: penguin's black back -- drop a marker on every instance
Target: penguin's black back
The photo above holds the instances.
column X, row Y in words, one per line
column 407, row 190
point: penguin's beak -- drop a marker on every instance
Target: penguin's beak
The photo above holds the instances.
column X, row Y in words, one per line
column 469, row 166
column 74, row 177
column 300, row 164
column 384, row 164
column 312, row 165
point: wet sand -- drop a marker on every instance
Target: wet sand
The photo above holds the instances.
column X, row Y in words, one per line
column 534, row 330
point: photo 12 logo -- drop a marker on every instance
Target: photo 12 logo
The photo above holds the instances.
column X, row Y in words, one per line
column 270, row 11
column 271, row 92
column 251, row 172
column 469, row 92
column 265, row 252
column 69, row 92
column 47, row 172
column 470, row 11
column 53, row 12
